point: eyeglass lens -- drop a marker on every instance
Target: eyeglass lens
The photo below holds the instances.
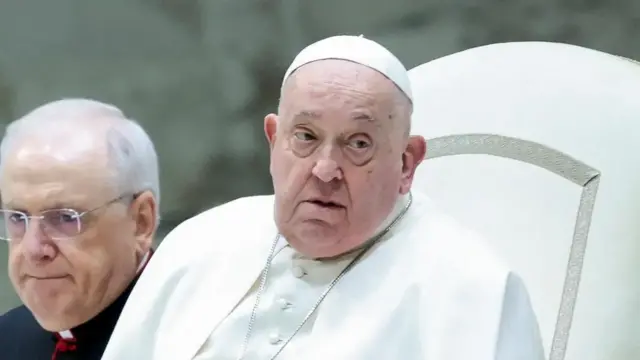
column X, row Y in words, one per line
column 56, row 224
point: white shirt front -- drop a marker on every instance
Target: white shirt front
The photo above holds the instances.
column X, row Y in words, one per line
column 294, row 285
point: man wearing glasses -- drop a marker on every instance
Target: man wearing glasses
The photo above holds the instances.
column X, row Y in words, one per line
column 80, row 193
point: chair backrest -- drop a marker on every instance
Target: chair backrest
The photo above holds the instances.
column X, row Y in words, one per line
column 537, row 146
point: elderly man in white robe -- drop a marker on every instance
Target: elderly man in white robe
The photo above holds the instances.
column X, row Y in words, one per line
column 344, row 262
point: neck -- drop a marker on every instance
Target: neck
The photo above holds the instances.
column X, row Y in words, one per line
column 399, row 206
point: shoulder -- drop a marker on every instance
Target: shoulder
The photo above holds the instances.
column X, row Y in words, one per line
column 16, row 315
column 457, row 249
column 22, row 336
column 231, row 215
column 207, row 234
column 213, row 234
column 449, row 258
column 184, row 257
column 18, row 322
column 210, row 230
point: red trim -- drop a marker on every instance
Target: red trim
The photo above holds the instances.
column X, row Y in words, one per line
column 64, row 345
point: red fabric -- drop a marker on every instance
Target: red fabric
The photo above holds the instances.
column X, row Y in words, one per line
column 64, row 345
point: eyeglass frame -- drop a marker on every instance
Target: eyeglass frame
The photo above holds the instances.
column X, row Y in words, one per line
column 73, row 212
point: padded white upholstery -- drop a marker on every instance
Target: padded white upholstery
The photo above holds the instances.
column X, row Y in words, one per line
column 537, row 146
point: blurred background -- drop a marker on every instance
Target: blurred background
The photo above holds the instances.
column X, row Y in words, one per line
column 201, row 74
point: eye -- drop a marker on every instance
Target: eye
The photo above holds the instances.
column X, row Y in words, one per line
column 60, row 217
column 304, row 135
column 359, row 143
column 67, row 216
column 17, row 218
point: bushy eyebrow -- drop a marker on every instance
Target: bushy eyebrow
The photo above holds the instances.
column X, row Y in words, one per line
column 314, row 115
column 363, row 117
column 307, row 115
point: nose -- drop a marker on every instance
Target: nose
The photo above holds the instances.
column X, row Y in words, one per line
column 327, row 170
column 37, row 246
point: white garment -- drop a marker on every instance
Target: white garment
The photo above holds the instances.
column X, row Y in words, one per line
column 429, row 291
column 294, row 286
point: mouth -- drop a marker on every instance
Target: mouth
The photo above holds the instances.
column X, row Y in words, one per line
column 47, row 277
column 326, row 204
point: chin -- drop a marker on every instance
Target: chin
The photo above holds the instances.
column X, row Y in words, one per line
column 55, row 314
column 55, row 322
column 318, row 245
column 53, row 325
column 317, row 232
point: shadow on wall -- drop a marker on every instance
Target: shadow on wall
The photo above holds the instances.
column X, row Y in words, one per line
column 8, row 297
column 7, row 100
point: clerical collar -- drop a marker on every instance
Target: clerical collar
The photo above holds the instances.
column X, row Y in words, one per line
column 109, row 314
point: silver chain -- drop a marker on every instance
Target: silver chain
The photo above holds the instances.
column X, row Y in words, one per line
column 265, row 273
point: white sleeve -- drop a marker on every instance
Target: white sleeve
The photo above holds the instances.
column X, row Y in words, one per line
column 519, row 334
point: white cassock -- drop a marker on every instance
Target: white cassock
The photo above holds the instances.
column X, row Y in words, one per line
column 546, row 139
column 429, row 290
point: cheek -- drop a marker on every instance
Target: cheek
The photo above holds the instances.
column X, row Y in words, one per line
column 290, row 172
column 93, row 262
column 14, row 263
column 361, row 186
column 86, row 263
column 371, row 185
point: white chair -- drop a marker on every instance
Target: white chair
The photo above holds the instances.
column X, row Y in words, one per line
column 537, row 147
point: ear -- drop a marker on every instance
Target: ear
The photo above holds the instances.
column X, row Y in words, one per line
column 144, row 212
column 271, row 128
column 411, row 158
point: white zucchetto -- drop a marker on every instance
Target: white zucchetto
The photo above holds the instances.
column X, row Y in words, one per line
column 359, row 50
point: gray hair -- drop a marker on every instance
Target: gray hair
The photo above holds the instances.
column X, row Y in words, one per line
column 130, row 149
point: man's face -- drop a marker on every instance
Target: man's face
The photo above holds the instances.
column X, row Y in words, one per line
column 67, row 282
column 340, row 157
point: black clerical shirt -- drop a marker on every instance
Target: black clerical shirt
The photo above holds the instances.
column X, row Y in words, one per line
column 22, row 338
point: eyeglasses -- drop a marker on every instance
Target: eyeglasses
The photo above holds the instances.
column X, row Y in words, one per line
column 57, row 224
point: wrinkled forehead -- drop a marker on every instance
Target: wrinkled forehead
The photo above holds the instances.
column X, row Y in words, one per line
column 59, row 166
column 338, row 76
column 338, row 89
